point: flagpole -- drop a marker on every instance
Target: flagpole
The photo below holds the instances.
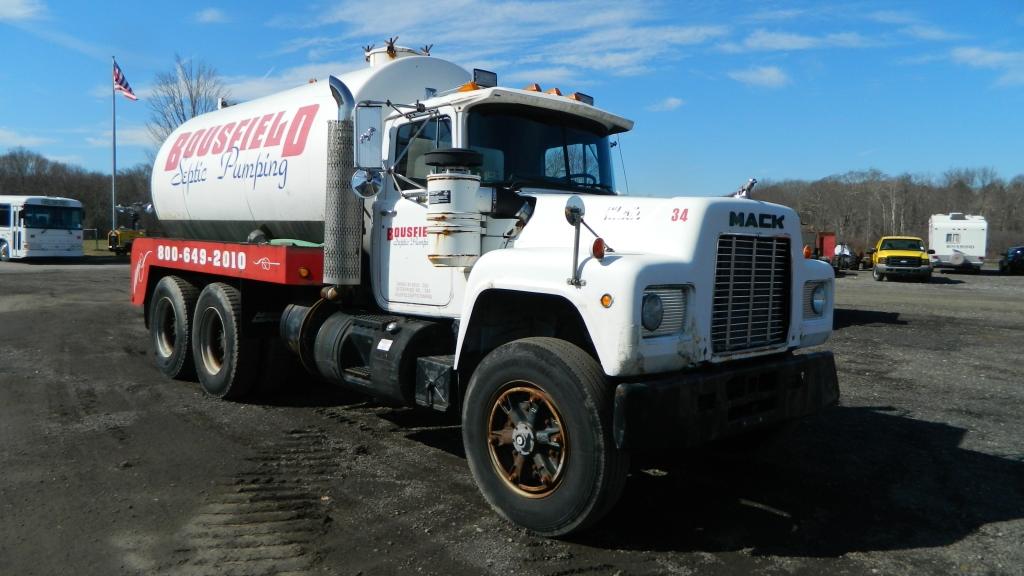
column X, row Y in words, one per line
column 113, row 146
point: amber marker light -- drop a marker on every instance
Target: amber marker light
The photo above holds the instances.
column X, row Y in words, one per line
column 606, row 300
column 598, row 249
column 303, row 272
column 555, row 91
column 469, row 87
column 533, row 88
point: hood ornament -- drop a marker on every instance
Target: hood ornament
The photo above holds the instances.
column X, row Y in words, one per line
column 745, row 190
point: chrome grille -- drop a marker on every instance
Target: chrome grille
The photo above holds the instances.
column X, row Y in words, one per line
column 901, row 261
column 751, row 299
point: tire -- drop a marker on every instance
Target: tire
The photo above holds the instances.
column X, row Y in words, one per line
column 565, row 386
column 226, row 359
column 878, row 276
column 170, row 326
column 5, row 252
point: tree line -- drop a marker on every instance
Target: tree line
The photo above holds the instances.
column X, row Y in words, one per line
column 23, row 172
column 859, row 207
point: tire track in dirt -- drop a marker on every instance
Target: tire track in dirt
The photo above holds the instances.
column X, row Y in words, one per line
column 265, row 519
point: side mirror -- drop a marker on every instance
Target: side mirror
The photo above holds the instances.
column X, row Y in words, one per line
column 574, row 210
column 931, row 251
column 367, row 131
column 870, row 251
column 367, row 183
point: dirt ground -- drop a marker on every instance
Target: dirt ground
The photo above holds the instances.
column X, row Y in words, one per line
column 108, row 468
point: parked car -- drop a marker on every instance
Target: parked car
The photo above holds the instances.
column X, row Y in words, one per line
column 900, row 256
column 1012, row 261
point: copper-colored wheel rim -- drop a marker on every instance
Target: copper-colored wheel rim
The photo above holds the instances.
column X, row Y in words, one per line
column 527, row 441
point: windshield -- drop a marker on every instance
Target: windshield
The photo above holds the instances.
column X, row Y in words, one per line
column 902, row 244
column 524, row 146
column 60, row 217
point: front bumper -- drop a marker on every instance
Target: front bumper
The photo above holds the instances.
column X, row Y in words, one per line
column 692, row 408
column 904, row 270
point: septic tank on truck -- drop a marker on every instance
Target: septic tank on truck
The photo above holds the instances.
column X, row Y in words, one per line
column 423, row 235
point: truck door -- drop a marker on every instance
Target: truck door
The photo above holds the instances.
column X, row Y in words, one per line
column 404, row 274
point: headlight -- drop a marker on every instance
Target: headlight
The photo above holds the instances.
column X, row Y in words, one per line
column 881, row 260
column 818, row 299
column 652, row 311
column 815, row 299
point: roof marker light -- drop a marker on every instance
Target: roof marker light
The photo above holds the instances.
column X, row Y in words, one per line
column 468, row 87
column 555, row 91
column 533, row 88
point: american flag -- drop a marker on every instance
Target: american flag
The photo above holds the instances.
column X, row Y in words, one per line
column 121, row 83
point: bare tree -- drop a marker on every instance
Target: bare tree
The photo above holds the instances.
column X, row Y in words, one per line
column 191, row 88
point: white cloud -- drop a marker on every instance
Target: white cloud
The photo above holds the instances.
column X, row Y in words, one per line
column 72, row 159
column 15, row 10
column 546, row 77
column 68, row 41
column 211, row 16
column 765, row 41
column 782, row 14
column 893, row 17
column 928, row 32
column 10, row 138
column 666, row 105
column 248, row 87
column 607, row 35
column 1010, row 65
column 128, row 136
column 766, row 76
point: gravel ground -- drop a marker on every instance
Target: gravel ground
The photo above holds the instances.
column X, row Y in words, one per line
column 107, row 468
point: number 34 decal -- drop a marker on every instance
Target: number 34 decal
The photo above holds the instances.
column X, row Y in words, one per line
column 680, row 215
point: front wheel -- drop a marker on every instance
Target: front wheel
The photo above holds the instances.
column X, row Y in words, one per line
column 878, row 276
column 226, row 360
column 536, row 424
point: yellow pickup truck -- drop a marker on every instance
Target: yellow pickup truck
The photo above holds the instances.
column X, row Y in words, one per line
column 900, row 256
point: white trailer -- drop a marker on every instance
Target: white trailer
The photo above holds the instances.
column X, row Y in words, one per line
column 40, row 227
column 958, row 240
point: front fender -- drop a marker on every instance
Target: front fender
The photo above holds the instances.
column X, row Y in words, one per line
column 614, row 330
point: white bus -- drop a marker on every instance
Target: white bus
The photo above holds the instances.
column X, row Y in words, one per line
column 958, row 239
column 40, row 227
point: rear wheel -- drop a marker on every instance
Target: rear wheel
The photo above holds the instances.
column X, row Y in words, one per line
column 878, row 276
column 226, row 360
column 5, row 252
column 170, row 326
column 538, row 437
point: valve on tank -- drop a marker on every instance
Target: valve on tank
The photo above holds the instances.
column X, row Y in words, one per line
column 454, row 221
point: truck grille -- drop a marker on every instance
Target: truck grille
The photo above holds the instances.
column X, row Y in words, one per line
column 751, row 299
column 903, row 261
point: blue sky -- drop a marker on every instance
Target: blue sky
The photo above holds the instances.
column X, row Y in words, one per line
column 720, row 91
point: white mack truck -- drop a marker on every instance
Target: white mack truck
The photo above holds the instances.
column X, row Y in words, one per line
column 422, row 235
